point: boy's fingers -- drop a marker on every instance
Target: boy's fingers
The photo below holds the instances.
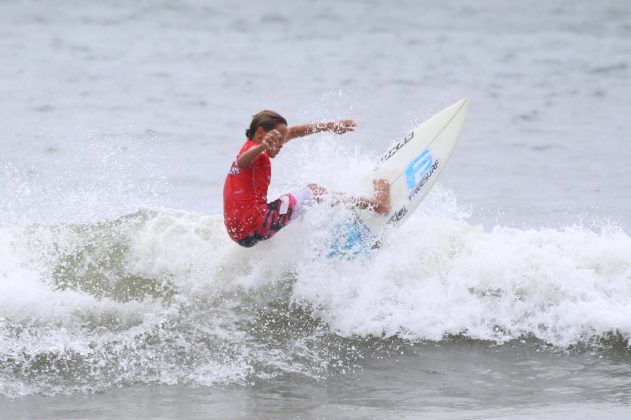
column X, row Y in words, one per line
column 276, row 136
column 344, row 126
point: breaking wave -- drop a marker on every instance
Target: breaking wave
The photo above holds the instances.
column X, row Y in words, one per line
column 163, row 296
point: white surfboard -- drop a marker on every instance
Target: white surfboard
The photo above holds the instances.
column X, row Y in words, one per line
column 412, row 166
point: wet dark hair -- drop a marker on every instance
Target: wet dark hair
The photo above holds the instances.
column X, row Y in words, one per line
column 266, row 119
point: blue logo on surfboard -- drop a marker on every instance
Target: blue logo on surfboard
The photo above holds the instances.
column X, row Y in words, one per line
column 419, row 171
column 417, row 168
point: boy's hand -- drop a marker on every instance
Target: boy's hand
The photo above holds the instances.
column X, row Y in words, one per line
column 343, row 126
column 272, row 140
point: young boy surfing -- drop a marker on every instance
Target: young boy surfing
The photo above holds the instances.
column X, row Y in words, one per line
column 248, row 217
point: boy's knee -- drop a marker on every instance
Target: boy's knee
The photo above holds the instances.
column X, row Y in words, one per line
column 318, row 191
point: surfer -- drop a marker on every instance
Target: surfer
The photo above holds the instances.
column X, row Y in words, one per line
column 248, row 217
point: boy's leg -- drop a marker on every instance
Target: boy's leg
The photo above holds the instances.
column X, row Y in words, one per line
column 379, row 202
column 280, row 212
column 304, row 197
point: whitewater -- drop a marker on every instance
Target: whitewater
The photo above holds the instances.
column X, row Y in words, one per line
column 164, row 296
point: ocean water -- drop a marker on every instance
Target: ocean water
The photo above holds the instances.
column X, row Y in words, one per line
column 506, row 294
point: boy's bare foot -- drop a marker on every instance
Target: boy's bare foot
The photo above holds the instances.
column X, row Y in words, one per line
column 381, row 198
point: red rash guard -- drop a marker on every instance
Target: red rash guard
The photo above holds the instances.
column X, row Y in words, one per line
column 245, row 194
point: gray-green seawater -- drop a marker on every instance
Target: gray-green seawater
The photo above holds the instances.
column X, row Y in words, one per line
column 507, row 294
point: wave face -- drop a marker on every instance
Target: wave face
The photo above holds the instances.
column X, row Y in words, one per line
column 163, row 296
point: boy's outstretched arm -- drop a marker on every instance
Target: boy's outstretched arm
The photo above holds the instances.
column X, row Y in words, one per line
column 338, row 127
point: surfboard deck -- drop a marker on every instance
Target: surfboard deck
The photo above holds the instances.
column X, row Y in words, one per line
column 412, row 166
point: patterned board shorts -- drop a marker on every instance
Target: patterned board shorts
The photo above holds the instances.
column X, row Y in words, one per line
column 279, row 213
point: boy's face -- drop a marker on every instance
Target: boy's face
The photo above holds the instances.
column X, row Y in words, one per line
column 282, row 129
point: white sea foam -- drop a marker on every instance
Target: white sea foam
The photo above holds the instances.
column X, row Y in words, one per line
column 99, row 294
column 441, row 275
column 437, row 274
